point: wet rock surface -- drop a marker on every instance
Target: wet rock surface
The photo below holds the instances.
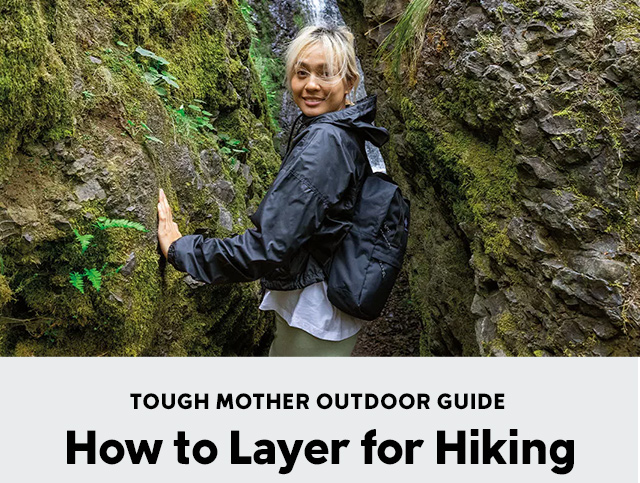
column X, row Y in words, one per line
column 396, row 333
column 523, row 117
column 95, row 141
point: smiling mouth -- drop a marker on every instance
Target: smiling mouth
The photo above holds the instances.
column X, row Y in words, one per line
column 309, row 100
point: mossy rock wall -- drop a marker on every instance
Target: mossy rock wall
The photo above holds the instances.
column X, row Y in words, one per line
column 83, row 135
column 518, row 132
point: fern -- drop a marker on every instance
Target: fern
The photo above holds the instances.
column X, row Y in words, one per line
column 77, row 281
column 83, row 239
column 95, row 277
column 103, row 223
column 407, row 36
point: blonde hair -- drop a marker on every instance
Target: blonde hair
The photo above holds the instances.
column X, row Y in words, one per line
column 337, row 43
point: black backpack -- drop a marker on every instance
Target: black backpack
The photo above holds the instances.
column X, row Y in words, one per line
column 365, row 266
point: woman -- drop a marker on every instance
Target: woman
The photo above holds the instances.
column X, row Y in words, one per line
column 306, row 211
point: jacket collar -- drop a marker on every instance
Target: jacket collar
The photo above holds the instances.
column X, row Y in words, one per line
column 363, row 107
column 359, row 116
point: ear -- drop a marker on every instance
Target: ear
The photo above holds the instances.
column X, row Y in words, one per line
column 349, row 86
column 347, row 91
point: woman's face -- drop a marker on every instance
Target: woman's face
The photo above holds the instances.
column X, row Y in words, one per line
column 313, row 95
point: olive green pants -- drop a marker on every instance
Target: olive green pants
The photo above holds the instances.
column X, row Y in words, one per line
column 294, row 342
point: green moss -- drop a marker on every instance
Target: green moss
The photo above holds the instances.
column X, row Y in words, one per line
column 471, row 102
column 596, row 111
column 490, row 42
column 521, row 4
column 34, row 83
column 627, row 21
column 476, row 176
column 496, row 346
column 506, row 323
column 298, row 19
column 6, row 294
column 619, row 221
column 269, row 67
column 131, row 315
column 441, row 286
column 425, row 346
column 203, row 66
column 148, row 311
column 513, row 334
column 135, row 22
column 440, row 279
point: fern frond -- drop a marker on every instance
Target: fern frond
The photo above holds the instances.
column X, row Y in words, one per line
column 103, row 223
column 84, row 240
column 407, row 36
column 77, row 281
column 95, row 277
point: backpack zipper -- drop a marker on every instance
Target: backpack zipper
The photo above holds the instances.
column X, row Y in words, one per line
column 382, row 269
column 385, row 227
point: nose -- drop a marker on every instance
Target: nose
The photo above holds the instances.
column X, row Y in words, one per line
column 312, row 83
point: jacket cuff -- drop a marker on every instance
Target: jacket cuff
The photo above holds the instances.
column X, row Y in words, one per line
column 171, row 255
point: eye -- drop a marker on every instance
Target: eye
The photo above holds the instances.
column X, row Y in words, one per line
column 301, row 73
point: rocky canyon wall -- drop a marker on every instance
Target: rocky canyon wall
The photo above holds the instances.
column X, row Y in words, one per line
column 516, row 133
column 102, row 102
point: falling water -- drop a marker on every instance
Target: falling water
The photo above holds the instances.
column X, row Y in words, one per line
column 326, row 12
column 322, row 12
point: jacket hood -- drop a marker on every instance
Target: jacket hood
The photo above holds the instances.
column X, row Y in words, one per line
column 359, row 116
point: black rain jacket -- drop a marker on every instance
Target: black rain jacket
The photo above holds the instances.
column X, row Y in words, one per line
column 305, row 213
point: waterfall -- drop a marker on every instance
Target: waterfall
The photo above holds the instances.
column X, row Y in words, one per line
column 326, row 12
column 315, row 10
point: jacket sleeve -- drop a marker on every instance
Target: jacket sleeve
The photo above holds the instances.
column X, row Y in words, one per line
column 294, row 207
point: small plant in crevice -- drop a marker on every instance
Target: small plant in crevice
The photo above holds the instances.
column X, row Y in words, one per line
column 156, row 73
column 133, row 129
column 231, row 147
column 94, row 275
column 194, row 118
column 189, row 119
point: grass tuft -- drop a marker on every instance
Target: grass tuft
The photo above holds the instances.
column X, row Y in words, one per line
column 407, row 37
